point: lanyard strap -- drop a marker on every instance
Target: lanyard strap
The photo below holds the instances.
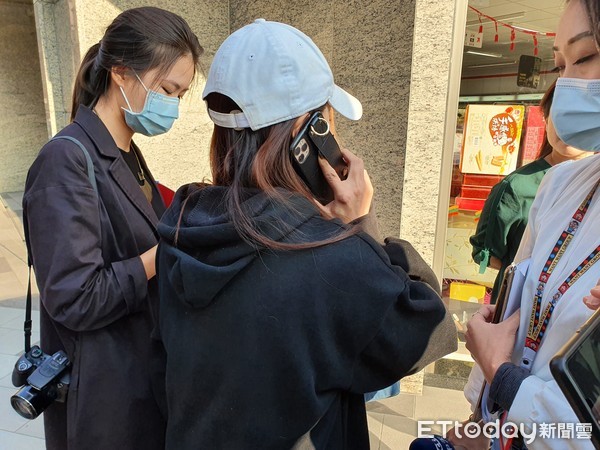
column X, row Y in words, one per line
column 538, row 322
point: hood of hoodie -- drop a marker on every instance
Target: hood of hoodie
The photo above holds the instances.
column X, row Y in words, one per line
column 201, row 251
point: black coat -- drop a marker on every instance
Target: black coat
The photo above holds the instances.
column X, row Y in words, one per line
column 96, row 303
column 274, row 349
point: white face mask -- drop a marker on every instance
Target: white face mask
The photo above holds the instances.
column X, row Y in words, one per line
column 576, row 113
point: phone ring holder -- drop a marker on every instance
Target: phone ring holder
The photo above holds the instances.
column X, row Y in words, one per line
column 324, row 133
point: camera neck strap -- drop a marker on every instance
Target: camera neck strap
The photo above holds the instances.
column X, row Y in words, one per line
column 27, row 324
column 92, row 178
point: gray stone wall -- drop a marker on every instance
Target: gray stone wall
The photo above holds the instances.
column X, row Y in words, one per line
column 394, row 56
column 437, row 54
column 68, row 28
column 59, row 57
column 181, row 155
column 22, row 117
column 369, row 47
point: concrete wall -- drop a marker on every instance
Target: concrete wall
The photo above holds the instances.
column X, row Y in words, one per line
column 69, row 27
column 435, row 81
column 373, row 53
column 22, row 117
column 59, row 58
column 369, row 47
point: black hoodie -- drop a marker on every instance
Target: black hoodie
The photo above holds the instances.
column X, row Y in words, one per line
column 274, row 349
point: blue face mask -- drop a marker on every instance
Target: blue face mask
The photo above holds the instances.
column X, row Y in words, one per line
column 156, row 117
column 576, row 113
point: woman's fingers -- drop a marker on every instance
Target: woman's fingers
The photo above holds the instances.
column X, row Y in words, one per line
column 491, row 344
column 511, row 324
column 592, row 301
column 353, row 195
column 485, row 313
column 356, row 166
column 330, row 174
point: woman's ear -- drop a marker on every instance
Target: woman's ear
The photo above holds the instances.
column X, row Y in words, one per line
column 117, row 75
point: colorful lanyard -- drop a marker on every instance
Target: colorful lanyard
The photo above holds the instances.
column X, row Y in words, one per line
column 537, row 322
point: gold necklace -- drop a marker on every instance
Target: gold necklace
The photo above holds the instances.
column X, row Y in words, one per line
column 140, row 174
column 143, row 183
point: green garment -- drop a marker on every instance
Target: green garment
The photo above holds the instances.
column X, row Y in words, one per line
column 504, row 217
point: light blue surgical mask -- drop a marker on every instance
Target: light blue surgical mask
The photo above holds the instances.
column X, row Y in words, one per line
column 575, row 113
column 156, row 117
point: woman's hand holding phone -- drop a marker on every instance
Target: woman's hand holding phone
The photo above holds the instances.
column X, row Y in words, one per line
column 352, row 196
column 491, row 344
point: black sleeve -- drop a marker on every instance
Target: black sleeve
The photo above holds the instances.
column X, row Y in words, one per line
column 79, row 289
column 506, row 384
column 414, row 331
column 409, row 338
column 403, row 254
column 369, row 224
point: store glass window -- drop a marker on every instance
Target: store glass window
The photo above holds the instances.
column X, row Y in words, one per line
column 507, row 67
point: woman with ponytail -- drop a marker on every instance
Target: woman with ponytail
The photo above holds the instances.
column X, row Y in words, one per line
column 91, row 232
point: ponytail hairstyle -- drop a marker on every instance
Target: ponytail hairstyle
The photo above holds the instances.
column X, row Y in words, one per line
column 242, row 159
column 140, row 39
column 545, row 105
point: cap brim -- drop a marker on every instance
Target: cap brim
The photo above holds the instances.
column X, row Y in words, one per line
column 346, row 104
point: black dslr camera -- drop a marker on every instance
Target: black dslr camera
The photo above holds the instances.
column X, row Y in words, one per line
column 44, row 378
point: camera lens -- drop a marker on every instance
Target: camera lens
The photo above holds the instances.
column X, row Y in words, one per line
column 28, row 402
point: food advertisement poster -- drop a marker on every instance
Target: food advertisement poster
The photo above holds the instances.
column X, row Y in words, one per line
column 535, row 129
column 491, row 139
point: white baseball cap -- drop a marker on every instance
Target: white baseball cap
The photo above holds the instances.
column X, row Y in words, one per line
column 274, row 73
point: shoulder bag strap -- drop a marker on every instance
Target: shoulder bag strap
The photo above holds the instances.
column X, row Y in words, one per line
column 92, row 178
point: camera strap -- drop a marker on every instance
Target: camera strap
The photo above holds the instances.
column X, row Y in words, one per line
column 27, row 325
column 92, row 178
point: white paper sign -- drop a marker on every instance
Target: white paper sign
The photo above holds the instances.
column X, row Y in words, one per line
column 473, row 39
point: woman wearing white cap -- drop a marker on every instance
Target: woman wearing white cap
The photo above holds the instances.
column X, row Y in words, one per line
column 277, row 311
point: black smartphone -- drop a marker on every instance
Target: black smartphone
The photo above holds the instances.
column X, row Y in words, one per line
column 501, row 303
column 576, row 369
column 315, row 139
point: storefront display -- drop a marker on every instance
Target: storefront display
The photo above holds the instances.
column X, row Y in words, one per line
column 499, row 128
column 495, row 139
column 534, row 135
column 492, row 138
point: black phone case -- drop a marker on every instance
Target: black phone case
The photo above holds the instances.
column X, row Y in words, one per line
column 505, row 286
column 315, row 139
column 563, row 374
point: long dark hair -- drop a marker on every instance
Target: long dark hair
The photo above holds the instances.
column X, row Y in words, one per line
column 546, row 104
column 242, row 159
column 140, row 39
